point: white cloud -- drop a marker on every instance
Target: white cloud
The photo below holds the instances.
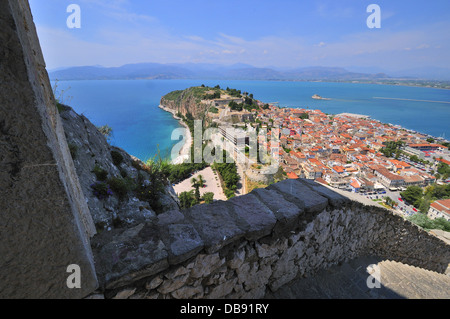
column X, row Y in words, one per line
column 158, row 44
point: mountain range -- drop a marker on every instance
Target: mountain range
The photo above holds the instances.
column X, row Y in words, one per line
column 232, row 72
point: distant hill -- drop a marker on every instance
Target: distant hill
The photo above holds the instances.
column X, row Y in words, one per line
column 426, row 73
column 208, row 71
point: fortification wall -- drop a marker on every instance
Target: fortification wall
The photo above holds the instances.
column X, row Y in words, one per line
column 256, row 243
column 46, row 224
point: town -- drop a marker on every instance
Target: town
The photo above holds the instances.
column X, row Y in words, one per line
column 348, row 152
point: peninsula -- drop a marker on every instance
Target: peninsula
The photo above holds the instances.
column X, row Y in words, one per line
column 346, row 151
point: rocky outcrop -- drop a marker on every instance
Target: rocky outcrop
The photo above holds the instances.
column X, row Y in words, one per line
column 186, row 102
column 91, row 151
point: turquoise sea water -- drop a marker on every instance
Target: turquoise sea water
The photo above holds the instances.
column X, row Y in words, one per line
column 130, row 107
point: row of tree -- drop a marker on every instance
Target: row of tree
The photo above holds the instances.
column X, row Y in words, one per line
column 421, row 199
column 229, row 175
column 392, row 149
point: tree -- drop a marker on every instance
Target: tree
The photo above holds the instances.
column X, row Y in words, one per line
column 195, row 183
column 106, row 131
column 444, row 170
column 414, row 158
column 187, row 199
column 201, row 181
column 426, row 223
column 208, row 197
column 412, row 195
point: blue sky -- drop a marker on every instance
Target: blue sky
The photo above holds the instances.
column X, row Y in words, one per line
column 283, row 33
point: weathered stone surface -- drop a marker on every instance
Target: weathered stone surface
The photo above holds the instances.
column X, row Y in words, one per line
column 46, row 224
column 205, row 265
column 253, row 216
column 265, row 250
column 170, row 217
column 95, row 297
column 237, row 260
column 336, row 200
column 301, row 195
column 221, row 291
column 216, row 224
column 173, row 284
column 188, row 292
column 154, row 283
column 286, row 213
column 183, row 242
column 126, row 256
column 252, row 276
column 93, row 150
column 125, row 294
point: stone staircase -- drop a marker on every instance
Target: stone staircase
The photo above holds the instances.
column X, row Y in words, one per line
column 349, row 281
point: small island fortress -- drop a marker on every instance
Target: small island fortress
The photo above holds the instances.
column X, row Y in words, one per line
column 318, row 97
column 79, row 219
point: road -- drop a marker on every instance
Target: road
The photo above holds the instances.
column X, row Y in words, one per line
column 402, row 208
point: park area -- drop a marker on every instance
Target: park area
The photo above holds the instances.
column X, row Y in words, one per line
column 211, row 184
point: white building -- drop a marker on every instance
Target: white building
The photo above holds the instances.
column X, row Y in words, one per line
column 440, row 209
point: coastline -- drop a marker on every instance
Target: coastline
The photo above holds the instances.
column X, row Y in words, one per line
column 183, row 155
column 358, row 116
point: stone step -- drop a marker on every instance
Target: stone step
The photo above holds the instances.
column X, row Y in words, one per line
column 413, row 282
column 349, row 281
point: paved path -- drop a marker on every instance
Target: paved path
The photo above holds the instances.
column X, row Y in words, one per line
column 211, row 181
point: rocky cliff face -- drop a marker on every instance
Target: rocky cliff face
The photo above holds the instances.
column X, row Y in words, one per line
column 187, row 101
column 97, row 162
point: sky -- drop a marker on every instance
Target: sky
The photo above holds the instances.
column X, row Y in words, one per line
column 263, row 33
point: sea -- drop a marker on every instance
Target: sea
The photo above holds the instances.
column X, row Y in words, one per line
column 130, row 107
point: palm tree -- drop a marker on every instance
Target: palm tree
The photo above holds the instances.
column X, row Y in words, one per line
column 196, row 184
column 201, row 181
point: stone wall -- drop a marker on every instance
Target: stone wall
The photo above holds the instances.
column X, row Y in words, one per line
column 255, row 244
column 45, row 222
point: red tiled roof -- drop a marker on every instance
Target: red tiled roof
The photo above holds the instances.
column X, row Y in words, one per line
column 292, row 175
column 442, row 205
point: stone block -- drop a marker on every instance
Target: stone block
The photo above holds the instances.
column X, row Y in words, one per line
column 204, row 265
column 170, row 285
column 170, row 217
column 300, row 194
column 286, row 213
column 188, row 292
column 126, row 256
column 336, row 200
column 253, row 216
column 216, row 224
column 183, row 242
column 221, row 291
